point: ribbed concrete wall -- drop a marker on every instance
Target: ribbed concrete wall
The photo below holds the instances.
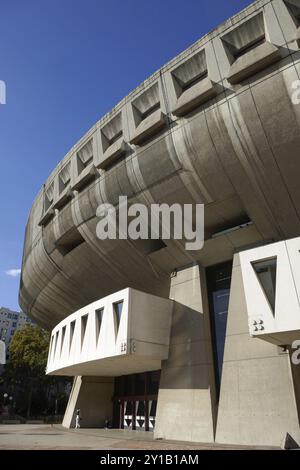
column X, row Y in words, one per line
column 223, row 131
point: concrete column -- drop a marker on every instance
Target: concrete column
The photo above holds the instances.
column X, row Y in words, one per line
column 295, row 368
column 93, row 396
column 257, row 401
column 186, row 399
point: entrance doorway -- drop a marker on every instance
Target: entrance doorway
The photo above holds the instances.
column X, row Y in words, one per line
column 135, row 401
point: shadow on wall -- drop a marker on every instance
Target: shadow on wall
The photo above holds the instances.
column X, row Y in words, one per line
column 187, row 366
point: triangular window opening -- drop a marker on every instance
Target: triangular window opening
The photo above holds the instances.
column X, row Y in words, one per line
column 84, row 319
column 56, row 341
column 72, row 328
column 266, row 274
column 63, row 334
column 118, row 307
column 98, row 318
column 51, row 346
column 294, row 9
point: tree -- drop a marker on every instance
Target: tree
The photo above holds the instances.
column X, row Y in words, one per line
column 25, row 373
column 29, row 350
column 28, row 358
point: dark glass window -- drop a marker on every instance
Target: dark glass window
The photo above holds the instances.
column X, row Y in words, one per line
column 153, row 408
column 118, row 307
column 140, row 383
column 146, row 383
column 72, row 328
column 128, row 385
column 218, row 284
column 141, row 408
column 153, row 382
column 129, row 408
column 63, row 333
column 84, row 319
column 98, row 318
column 266, row 274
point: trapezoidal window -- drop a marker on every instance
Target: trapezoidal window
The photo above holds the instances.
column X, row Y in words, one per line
column 111, row 132
column 72, row 329
column 146, row 104
column 112, row 141
column 85, row 156
column 98, row 322
column 190, row 72
column 69, row 241
column 84, row 320
column 48, row 196
column 64, row 178
column 293, row 7
column 146, row 247
column 265, row 271
column 117, row 309
column 245, row 37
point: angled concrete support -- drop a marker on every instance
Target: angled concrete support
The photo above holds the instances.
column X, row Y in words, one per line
column 257, row 400
column 186, row 399
column 93, row 396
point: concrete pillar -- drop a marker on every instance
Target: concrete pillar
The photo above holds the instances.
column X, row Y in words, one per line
column 295, row 368
column 186, row 398
column 257, row 403
column 93, row 396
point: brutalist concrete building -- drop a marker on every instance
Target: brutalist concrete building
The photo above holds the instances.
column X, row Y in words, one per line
column 193, row 345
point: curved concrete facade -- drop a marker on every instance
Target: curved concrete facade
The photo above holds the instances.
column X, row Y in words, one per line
column 223, row 142
column 216, row 125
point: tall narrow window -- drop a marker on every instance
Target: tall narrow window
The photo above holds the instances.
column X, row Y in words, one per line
column 218, row 283
column 84, row 319
column 51, row 344
column 266, row 274
column 98, row 320
column 63, row 334
column 72, row 328
column 118, row 307
column 56, row 341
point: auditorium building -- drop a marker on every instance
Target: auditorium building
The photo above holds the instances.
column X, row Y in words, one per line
column 193, row 345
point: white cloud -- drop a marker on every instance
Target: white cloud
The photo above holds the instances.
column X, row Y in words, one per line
column 13, row 272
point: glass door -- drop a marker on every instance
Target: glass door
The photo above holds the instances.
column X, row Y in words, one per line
column 135, row 401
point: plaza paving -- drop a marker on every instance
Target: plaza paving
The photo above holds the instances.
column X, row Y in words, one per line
column 47, row 437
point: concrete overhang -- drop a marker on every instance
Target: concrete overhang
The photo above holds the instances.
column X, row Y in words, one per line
column 124, row 333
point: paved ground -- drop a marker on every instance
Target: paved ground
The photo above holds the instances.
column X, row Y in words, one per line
column 37, row 436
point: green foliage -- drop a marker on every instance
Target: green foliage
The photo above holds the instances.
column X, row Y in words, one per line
column 25, row 377
column 28, row 351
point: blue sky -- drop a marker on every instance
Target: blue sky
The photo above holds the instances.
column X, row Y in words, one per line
column 65, row 64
